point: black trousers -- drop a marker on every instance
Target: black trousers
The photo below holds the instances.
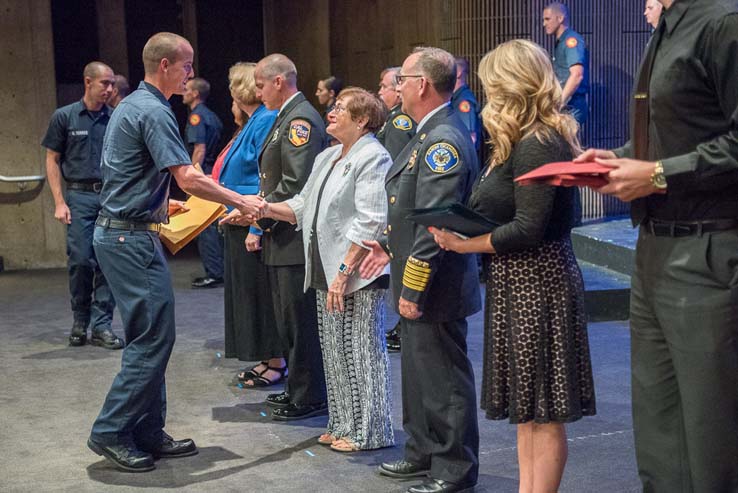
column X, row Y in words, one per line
column 296, row 316
column 439, row 403
column 684, row 358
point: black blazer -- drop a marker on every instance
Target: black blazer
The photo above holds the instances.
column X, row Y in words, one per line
column 397, row 131
column 285, row 162
column 437, row 167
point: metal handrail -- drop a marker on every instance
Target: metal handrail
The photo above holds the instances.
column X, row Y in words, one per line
column 15, row 179
column 23, row 194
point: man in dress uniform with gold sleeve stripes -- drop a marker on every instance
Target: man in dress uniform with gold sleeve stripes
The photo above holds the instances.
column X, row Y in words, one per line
column 433, row 290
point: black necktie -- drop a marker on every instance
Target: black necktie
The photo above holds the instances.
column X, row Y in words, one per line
column 641, row 116
column 641, row 104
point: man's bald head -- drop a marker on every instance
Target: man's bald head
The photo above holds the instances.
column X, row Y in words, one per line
column 558, row 8
column 277, row 64
column 160, row 46
column 95, row 69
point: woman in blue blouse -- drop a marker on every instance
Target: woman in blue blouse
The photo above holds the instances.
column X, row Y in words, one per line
column 249, row 329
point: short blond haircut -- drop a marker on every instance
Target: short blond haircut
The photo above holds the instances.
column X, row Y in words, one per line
column 523, row 98
column 364, row 104
column 159, row 46
column 241, row 83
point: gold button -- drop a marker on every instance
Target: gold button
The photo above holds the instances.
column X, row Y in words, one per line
column 391, row 255
column 393, row 199
column 385, row 231
column 389, row 227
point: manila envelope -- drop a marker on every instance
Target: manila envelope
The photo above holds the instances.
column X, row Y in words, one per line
column 183, row 227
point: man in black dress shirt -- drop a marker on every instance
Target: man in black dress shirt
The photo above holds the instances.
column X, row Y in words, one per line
column 433, row 291
column 680, row 169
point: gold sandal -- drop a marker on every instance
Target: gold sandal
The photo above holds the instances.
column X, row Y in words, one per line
column 326, row 439
column 345, row 445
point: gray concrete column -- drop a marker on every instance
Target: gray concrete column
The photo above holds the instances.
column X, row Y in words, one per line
column 30, row 237
column 111, row 33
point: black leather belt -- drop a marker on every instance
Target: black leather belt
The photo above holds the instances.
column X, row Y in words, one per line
column 688, row 228
column 107, row 222
column 87, row 187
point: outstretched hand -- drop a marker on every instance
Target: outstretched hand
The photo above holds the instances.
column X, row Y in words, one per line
column 375, row 262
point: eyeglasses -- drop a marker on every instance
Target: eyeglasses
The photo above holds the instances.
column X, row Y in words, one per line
column 338, row 108
column 401, row 78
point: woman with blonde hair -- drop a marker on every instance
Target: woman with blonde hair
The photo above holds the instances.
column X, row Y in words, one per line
column 249, row 327
column 537, row 370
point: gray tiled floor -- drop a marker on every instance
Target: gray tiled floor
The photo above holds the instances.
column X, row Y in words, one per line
column 50, row 393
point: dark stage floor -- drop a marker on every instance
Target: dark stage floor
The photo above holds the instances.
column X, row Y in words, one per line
column 50, row 394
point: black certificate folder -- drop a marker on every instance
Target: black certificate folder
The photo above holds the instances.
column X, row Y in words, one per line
column 455, row 218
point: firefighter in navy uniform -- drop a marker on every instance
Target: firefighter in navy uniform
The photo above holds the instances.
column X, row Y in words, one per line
column 433, row 290
column 394, row 135
column 465, row 104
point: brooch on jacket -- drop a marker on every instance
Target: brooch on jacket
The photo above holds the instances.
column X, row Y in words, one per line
column 346, row 169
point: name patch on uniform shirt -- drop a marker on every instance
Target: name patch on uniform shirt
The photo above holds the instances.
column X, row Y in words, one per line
column 194, row 119
column 78, row 133
column 571, row 42
column 402, row 122
column 465, row 106
column 299, row 132
column 442, row 157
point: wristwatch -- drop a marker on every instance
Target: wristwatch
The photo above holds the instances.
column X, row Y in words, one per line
column 345, row 270
column 658, row 180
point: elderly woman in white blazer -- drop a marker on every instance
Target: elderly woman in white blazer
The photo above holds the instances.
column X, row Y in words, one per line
column 342, row 205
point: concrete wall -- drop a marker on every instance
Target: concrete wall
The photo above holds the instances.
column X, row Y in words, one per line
column 30, row 237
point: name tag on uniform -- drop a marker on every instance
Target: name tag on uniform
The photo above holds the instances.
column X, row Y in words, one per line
column 78, row 133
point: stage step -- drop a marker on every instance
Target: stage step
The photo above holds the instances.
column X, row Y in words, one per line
column 606, row 254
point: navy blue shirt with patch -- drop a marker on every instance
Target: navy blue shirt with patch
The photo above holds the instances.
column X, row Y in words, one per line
column 77, row 134
column 204, row 127
column 141, row 143
column 570, row 50
column 467, row 107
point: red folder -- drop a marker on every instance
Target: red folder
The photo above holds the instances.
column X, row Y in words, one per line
column 567, row 174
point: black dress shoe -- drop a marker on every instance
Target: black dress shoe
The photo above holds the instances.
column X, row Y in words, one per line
column 278, row 400
column 78, row 334
column 207, row 282
column 129, row 459
column 293, row 411
column 106, row 339
column 402, row 469
column 171, row 448
column 394, row 339
column 440, row 486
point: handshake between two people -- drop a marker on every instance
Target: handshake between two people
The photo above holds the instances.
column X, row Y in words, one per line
column 251, row 209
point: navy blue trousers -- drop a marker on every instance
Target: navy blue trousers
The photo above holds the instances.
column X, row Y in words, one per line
column 135, row 407
column 211, row 246
column 92, row 300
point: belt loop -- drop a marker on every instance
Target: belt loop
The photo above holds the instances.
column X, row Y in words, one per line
column 699, row 229
column 651, row 228
column 672, row 229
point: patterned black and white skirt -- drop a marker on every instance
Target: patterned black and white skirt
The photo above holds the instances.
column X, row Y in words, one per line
column 536, row 351
column 357, row 369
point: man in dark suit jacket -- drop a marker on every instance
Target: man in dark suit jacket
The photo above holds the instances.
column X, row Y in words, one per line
column 433, row 290
column 285, row 162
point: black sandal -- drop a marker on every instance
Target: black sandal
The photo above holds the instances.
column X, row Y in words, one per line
column 261, row 381
column 251, row 373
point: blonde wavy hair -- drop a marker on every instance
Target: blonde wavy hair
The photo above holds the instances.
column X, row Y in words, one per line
column 523, row 98
column 241, row 83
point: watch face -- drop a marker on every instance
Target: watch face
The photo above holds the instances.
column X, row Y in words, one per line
column 659, row 181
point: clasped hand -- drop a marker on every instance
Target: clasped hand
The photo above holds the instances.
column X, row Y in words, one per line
column 251, row 209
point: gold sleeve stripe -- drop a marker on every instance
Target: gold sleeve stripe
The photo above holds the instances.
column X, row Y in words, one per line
column 415, row 268
column 415, row 277
column 412, row 285
column 419, row 263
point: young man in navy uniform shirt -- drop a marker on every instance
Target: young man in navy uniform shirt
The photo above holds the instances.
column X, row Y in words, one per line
column 142, row 150
column 73, row 145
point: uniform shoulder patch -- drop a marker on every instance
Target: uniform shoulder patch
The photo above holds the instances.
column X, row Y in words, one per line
column 571, row 42
column 402, row 122
column 465, row 106
column 442, row 157
column 195, row 119
column 299, row 132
